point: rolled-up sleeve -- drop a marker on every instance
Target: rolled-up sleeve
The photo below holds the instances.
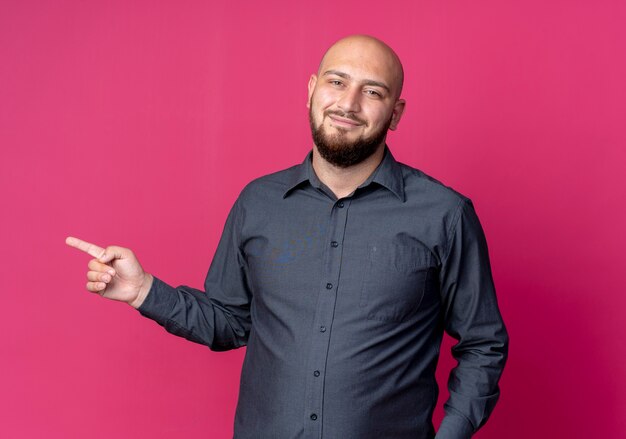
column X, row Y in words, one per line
column 472, row 317
column 218, row 317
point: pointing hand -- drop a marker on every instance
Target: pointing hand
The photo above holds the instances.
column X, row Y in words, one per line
column 114, row 273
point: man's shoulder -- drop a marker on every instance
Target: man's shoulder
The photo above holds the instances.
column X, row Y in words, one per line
column 273, row 184
column 418, row 183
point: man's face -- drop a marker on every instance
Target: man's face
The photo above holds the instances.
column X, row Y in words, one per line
column 353, row 101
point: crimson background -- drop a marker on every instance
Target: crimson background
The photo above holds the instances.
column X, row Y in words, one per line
column 138, row 122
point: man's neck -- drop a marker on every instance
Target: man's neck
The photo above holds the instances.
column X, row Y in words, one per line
column 344, row 181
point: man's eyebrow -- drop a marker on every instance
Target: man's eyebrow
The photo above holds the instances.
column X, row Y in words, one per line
column 365, row 82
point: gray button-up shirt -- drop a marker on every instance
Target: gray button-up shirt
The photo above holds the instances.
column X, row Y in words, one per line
column 342, row 304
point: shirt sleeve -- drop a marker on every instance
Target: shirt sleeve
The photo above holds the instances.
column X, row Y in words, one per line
column 472, row 317
column 219, row 318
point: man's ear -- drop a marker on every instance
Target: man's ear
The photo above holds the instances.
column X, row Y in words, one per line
column 398, row 109
column 311, row 87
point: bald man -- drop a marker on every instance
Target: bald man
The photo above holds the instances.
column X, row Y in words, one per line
column 340, row 276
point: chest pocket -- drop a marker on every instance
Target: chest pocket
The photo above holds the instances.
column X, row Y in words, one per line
column 397, row 278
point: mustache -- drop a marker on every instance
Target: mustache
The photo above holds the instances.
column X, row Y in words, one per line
column 344, row 115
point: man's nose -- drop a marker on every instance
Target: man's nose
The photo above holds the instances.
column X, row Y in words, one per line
column 349, row 101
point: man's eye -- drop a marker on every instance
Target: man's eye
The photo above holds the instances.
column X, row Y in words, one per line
column 373, row 93
column 335, row 82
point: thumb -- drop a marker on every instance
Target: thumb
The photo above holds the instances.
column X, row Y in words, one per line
column 113, row 252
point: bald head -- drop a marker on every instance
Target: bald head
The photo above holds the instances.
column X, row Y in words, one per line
column 354, row 99
column 366, row 52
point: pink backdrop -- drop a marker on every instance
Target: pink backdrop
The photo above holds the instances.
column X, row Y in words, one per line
column 137, row 123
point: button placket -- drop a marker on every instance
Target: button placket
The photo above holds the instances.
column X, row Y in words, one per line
column 327, row 296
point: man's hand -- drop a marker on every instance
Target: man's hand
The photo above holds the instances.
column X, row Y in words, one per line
column 115, row 273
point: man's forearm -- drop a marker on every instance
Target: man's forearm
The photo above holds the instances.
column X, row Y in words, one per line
column 454, row 426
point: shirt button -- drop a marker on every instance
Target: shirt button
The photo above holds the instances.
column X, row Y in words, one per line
column 340, row 204
column 313, row 417
column 316, row 373
column 329, row 286
column 322, row 328
column 334, row 244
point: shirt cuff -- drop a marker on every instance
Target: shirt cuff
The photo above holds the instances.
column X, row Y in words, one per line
column 159, row 301
column 454, row 427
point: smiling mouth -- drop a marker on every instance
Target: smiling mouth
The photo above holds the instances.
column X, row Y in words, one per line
column 344, row 122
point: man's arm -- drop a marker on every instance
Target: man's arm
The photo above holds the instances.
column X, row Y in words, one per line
column 219, row 318
column 471, row 316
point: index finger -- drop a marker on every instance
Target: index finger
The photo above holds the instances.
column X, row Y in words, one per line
column 87, row 247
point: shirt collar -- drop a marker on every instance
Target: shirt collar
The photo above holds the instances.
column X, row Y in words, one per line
column 388, row 174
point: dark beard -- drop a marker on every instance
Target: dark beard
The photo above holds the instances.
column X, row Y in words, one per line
column 340, row 152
